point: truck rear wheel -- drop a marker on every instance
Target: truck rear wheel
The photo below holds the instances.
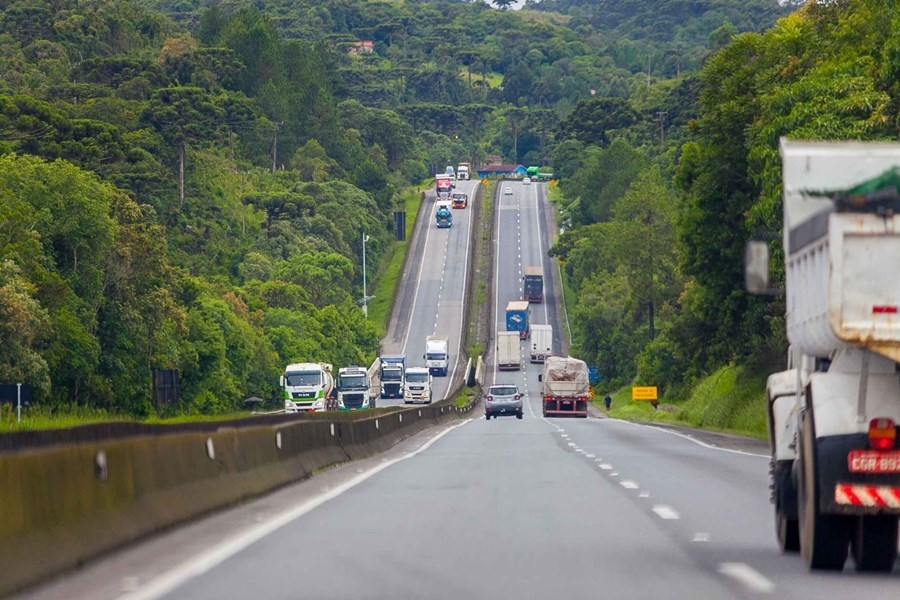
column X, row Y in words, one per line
column 874, row 543
column 784, row 491
column 824, row 539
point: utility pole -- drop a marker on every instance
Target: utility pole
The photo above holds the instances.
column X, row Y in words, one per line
column 661, row 115
column 365, row 297
column 275, row 145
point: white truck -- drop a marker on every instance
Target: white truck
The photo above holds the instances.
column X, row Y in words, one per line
column 417, row 386
column 509, row 355
column 437, row 354
column 541, row 343
column 307, row 387
column 463, row 171
column 833, row 412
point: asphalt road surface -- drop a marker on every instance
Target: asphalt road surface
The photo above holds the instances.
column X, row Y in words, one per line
column 433, row 290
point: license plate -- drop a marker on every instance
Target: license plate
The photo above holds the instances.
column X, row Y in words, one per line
column 870, row 461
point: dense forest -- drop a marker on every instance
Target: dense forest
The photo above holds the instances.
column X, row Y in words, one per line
column 184, row 184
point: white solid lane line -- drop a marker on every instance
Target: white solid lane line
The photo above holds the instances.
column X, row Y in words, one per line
column 175, row 578
column 747, row 576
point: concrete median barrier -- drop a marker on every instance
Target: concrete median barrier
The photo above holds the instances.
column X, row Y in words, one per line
column 63, row 505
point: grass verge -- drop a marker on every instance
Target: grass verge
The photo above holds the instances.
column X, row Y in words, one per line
column 730, row 400
column 392, row 268
column 36, row 418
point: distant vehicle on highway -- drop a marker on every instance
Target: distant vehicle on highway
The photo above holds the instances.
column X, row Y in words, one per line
column 507, row 191
column 503, row 399
column 527, row 181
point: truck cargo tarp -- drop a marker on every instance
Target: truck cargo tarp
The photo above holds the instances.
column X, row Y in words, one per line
column 566, row 376
column 882, row 191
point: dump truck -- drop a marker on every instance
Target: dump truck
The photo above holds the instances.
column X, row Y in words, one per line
column 541, row 343
column 517, row 315
column 833, row 412
column 390, row 373
column 565, row 390
column 509, row 355
column 463, row 171
column 437, row 354
column 352, row 389
column 307, row 387
column 417, row 386
column 533, row 285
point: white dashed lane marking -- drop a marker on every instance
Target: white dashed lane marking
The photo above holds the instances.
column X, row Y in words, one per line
column 666, row 512
column 747, row 576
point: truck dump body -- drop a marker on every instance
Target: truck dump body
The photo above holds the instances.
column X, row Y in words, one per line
column 841, row 266
column 565, row 387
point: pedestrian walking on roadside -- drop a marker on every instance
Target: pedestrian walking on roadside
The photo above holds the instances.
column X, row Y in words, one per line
column 607, row 400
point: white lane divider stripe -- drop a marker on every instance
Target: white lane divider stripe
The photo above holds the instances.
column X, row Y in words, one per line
column 747, row 576
column 666, row 512
column 628, row 485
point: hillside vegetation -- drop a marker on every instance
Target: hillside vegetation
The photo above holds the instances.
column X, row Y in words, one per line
column 185, row 185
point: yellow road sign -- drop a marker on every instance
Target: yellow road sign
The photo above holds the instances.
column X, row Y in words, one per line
column 647, row 392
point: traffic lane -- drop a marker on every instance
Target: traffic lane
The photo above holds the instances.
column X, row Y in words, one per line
column 495, row 509
column 508, row 261
column 704, row 486
column 714, row 502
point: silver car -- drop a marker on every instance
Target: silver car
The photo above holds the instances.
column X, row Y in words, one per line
column 502, row 399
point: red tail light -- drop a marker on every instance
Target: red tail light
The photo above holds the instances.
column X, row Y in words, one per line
column 583, row 398
column 518, row 397
column 882, row 434
column 490, row 398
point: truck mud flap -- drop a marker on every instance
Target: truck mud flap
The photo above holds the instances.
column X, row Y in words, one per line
column 844, row 492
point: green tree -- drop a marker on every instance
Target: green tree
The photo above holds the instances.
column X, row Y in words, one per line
column 180, row 114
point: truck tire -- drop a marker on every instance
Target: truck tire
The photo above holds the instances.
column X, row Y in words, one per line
column 874, row 543
column 784, row 492
column 824, row 539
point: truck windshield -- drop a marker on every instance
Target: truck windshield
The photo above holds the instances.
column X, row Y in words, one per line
column 298, row 378
column 391, row 374
column 417, row 377
column 353, row 382
column 435, row 356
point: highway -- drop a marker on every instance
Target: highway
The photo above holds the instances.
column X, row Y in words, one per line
column 433, row 290
column 531, row 509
